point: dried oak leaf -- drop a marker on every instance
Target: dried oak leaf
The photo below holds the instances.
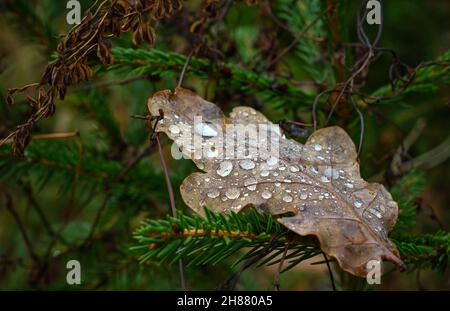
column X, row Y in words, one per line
column 319, row 181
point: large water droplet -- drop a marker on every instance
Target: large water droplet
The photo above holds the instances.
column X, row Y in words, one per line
column 247, row 164
column 232, row 193
column 314, row 170
column 266, row 194
column 264, row 173
column 287, row 198
column 324, row 179
column 357, row 204
column 293, row 169
column 376, row 213
column 212, row 152
column 317, row 147
column 253, row 143
column 250, row 183
column 349, row 185
column 190, row 147
column 205, row 129
column 213, row 193
column 225, row 168
column 331, row 173
column 236, row 208
column 272, row 161
column 174, row 129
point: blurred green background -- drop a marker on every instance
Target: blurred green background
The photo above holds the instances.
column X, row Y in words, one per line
column 417, row 30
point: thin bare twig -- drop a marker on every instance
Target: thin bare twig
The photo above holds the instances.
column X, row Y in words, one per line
column 315, row 103
column 298, row 37
column 269, row 12
column 166, row 174
column 172, row 206
column 330, row 272
column 276, row 277
column 427, row 160
column 98, row 216
column 109, row 83
column 133, row 161
column 29, row 194
column 432, row 214
column 10, row 207
column 361, row 122
column 77, row 171
column 185, row 67
column 407, row 143
column 232, row 281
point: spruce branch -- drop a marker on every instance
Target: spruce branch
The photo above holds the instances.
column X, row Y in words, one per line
column 300, row 17
column 426, row 250
column 423, row 78
column 217, row 237
column 275, row 91
column 214, row 238
column 58, row 162
column 405, row 192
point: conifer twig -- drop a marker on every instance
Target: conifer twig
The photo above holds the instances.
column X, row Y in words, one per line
column 185, row 67
column 98, row 215
column 10, row 207
column 172, row 206
column 298, row 37
column 104, row 84
column 276, row 277
column 330, row 272
column 27, row 189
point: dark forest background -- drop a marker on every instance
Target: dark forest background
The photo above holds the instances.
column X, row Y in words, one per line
column 80, row 197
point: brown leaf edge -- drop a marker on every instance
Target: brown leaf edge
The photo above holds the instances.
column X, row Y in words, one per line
column 359, row 246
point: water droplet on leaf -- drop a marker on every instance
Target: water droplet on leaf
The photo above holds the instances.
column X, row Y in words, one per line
column 266, row 194
column 232, row 193
column 247, row 164
column 225, row 168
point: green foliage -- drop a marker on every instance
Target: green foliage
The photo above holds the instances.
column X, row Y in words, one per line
column 406, row 192
column 297, row 15
column 278, row 92
column 215, row 237
column 427, row 250
column 82, row 196
column 56, row 163
column 23, row 14
column 428, row 79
